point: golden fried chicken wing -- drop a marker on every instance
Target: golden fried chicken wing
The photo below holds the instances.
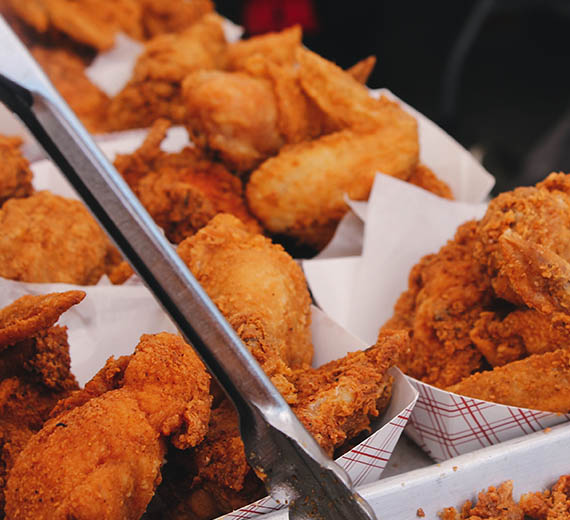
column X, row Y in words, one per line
column 301, row 191
column 89, row 22
column 66, row 70
column 15, row 173
column 260, row 290
column 47, row 238
column 154, row 90
column 34, row 370
column 162, row 393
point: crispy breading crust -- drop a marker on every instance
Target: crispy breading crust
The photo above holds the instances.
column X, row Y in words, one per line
column 31, row 314
column 15, row 176
column 163, row 392
column 538, row 382
column 155, row 89
column 48, row 238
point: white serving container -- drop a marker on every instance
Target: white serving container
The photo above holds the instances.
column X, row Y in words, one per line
column 534, row 463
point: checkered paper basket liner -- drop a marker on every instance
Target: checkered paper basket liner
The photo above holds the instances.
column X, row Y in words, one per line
column 445, row 425
column 365, row 462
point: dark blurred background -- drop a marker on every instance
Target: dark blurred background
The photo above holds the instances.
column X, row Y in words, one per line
column 495, row 74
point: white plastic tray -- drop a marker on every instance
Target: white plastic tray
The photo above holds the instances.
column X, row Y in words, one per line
column 533, row 462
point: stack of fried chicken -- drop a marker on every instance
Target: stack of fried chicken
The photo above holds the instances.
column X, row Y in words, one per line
column 488, row 314
column 296, row 132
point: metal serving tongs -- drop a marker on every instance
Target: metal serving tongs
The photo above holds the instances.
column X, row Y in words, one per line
column 293, row 467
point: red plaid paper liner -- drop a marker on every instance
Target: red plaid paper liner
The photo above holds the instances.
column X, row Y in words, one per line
column 365, row 462
column 445, row 425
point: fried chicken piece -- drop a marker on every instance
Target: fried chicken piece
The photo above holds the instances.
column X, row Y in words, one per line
column 260, row 290
column 540, row 215
column 520, row 333
column 183, row 191
column 548, row 505
column 536, row 274
column 515, row 384
column 425, row 178
column 154, row 90
column 183, row 201
column 233, row 115
column 298, row 119
column 163, row 392
column 174, row 16
column 34, row 370
column 47, row 238
column 66, row 70
column 30, row 314
column 278, row 47
column 346, row 102
column 335, row 403
column 447, row 292
column 89, row 22
column 15, row 173
column 493, row 504
column 301, row 192
column 361, row 71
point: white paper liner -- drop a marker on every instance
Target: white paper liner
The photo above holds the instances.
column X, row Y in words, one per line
column 404, row 223
column 533, row 463
column 112, row 70
column 452, row 163
column 47, row 176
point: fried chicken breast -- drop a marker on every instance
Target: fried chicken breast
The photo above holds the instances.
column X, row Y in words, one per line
column 47, row 238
